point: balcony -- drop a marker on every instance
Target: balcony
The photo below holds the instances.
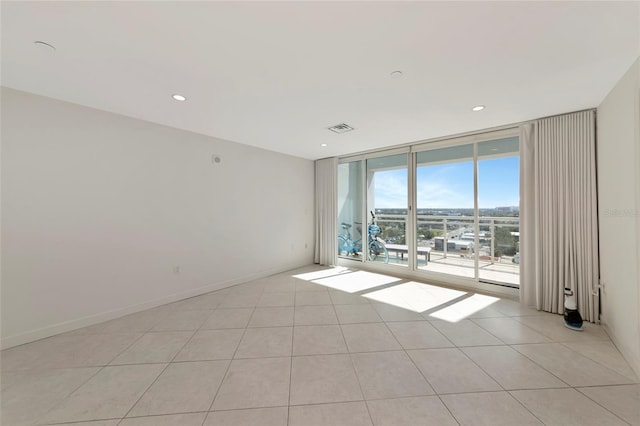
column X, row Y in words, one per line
column 452, row 243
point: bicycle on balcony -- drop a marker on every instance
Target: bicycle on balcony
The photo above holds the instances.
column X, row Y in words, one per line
column 376, row 248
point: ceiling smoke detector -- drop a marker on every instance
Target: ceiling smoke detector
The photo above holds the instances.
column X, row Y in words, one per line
column 341, row 128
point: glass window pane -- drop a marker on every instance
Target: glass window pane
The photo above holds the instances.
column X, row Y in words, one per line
column 445, row 211
column 499, row 210
column 350, row 201
column 460, row 229
column 499, row 147
column 387, row 198
column 454, row 154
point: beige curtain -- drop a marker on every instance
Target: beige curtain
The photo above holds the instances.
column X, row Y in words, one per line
column 326, row 247
column 559, row 234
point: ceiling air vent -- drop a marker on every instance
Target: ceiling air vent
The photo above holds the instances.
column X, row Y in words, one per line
column 341, row 128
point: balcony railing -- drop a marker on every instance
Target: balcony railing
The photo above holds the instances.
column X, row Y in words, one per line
column 453, row 243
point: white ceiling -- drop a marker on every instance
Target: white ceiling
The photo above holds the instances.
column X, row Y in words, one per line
column 277, row 74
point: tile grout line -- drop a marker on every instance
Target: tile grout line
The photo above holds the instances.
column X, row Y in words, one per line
column 157, row 377
column 525, row 407
column 509, row 390
column 420, row 371
column 204, row 419
column 600, row 405
column 541, row 332
column 233, row 357
column 161, row 415
column 438, row 395
column 569, row 386
column 69, row 394
column 531, row 360
column 165, row 368
column 100, row 368
column 598, row 362
column 455, row 419
column 474, row 320
column 355, row 371
column 516, row 344
column 293, row 326
column 128, row 347
column 538, row 364
column 459, row 348
column 293, row 333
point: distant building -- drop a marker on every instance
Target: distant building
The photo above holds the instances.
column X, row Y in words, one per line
column 508, row 209
column 452, row 245
column 470, row 236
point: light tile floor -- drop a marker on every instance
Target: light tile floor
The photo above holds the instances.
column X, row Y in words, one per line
column 320, row 346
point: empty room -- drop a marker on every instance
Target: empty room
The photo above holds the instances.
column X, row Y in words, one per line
column 301, row 213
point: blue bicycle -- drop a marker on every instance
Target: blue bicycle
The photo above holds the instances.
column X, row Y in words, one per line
column 376, row 246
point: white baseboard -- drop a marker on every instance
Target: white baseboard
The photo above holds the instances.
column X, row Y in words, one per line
column 63, row 327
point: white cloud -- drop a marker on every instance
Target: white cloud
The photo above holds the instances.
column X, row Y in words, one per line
column 390, row 189
column 444, row 186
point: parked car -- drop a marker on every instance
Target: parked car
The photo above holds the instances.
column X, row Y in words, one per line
column 516, row 258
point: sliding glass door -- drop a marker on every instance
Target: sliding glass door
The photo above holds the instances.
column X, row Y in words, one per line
column 445, row 214
column 387, row 201
column 447, row 210
column 350, row 203
column 499, row 211
column 467, row 211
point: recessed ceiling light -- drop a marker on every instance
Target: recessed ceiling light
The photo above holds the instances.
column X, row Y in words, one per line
column 396, row 74
column 477, row 108
column 323, row 144
column 41, row 45
column 179, row 97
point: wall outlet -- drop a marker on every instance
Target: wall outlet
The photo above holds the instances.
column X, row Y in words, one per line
column 176, row 269
column 306, row 245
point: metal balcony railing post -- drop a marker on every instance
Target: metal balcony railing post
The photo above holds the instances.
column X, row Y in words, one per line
column 446, row 237
column 492, row 229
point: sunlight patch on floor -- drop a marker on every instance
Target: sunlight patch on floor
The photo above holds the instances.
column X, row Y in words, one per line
column 356, row 281
column 324, row 273
column 436, row 302
column 464, row 308
column 414, row 296
column 396, row 296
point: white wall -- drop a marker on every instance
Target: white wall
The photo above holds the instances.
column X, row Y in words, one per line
column 98, row 209
column 618, row 119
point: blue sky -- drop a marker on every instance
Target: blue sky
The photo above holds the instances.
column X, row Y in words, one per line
column 451, row 185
